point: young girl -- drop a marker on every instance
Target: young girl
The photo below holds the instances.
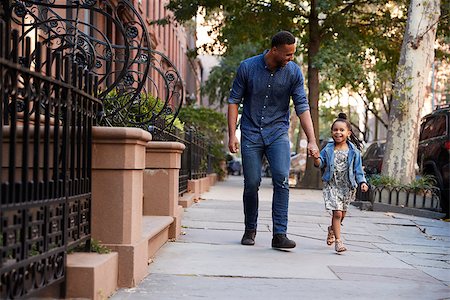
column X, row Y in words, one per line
column 341, row 163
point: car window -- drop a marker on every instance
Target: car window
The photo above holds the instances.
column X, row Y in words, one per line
column 434, row 127
column 371, row 151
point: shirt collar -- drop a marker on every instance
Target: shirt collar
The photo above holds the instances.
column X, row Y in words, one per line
column 264, row 62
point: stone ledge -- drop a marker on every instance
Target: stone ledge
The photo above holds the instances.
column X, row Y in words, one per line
column 91, row 275
column 133, row 262
column 186, row 200
column 156, row 230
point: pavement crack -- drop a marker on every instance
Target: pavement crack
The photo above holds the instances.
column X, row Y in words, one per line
column 233, row 276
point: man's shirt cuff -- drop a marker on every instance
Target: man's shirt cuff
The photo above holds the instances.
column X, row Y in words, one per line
column 234, row 101
column 301, row 108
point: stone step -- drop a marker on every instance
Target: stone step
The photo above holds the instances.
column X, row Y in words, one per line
column 91, row 275
column 187, row 200
column 156, row 230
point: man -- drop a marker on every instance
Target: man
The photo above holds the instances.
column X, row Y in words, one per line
column 265, row 84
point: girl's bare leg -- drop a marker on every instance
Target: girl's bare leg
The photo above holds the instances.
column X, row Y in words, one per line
column 344, row 212
column 336, row 222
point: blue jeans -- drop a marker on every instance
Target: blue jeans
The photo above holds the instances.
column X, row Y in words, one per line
column 278, row 156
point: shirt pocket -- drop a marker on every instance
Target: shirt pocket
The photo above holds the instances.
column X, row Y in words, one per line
column 281, row 88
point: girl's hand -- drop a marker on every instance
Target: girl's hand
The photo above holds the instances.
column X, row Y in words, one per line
column 364, row 187
column 315, row 154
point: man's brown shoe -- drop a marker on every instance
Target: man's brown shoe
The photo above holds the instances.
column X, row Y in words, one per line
column 249, row 237
column 280, row 241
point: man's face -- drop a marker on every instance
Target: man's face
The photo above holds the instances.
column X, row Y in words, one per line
column 283, row 54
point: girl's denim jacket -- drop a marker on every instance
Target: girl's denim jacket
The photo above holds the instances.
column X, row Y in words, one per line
column 355, row 170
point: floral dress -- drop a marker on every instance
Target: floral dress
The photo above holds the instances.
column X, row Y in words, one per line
column 338, row 192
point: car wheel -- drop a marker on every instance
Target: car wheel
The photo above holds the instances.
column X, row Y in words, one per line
column 444, row 203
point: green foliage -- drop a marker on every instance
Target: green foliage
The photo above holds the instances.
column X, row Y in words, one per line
column 419, row 184
column 98, row 248
column 382, row 180
column 211, row 124
column 240, row 19
column 128, row 113
column 221, row 77
column 359, row 41
column 423, row 182
column 95, row 247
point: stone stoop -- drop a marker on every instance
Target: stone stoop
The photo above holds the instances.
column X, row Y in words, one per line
column 133, row 262
column 204, row 185
column 187, row 200
column 194, row 188
column 213, row 177
column 91, row 275
column 155, row 230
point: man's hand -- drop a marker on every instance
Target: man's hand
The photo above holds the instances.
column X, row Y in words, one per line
column 233, row 144
column 364, row 187
column 313, row 150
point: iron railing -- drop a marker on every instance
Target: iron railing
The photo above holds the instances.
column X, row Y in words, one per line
column 98, row 62
column 427, row 198
column 47, row 110
column 196, row 162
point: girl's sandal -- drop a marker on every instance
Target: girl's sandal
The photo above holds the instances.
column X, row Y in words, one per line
column 339, row 246
column 330, row 236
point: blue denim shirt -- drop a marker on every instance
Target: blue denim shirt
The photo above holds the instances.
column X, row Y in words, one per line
column 265, row 96
column 355, row 170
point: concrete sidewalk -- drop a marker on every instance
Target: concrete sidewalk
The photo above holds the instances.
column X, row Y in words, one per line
column 390, row 256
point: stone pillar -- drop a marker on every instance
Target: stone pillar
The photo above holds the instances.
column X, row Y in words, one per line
column 161, row 181
column 118, row 162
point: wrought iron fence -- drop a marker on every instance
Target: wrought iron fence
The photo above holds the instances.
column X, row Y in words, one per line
column 196, row 162
column 98, row 62
column 427, row 198
column 47, row 110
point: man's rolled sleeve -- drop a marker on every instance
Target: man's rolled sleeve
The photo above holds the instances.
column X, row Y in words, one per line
column 299, row 95
column 238, row 89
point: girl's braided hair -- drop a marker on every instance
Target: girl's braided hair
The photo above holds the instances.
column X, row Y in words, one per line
column 342, row 117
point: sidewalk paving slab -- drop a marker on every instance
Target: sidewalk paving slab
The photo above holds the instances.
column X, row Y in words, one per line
column 390, row 255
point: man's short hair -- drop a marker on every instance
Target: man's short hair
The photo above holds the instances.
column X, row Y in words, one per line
column 283, row 38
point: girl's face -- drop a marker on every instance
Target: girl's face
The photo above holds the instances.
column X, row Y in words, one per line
column 340, row 132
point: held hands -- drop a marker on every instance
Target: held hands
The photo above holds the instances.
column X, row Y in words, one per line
column 313, row 150
column 364, row 187
column 233, row 144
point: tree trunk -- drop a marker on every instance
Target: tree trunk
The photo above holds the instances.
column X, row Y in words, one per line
column 312, row 174
column 416, row 57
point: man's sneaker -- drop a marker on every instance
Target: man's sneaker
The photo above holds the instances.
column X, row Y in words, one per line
column 249, row 237
column 282, row 242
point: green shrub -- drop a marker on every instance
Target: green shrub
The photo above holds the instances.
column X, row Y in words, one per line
column 422, row 183
column 212, row 125
column 120, row 111
column 419, row 184
column 382, row 180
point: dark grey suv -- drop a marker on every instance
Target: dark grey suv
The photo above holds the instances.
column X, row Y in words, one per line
column 434, row 150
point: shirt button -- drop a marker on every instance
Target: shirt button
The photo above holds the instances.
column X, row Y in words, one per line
column 269, row 85
column 261, row 128
column 271, row 74
column 264, row 106
column 262, row 118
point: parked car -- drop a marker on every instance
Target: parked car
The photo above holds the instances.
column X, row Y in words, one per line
column 372, row 159
column 234, row 167
column 434, row 150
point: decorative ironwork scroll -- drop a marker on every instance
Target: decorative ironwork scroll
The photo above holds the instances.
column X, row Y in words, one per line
column 137, row 84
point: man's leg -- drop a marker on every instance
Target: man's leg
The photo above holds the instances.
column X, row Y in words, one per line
column 278, row 155
column 251, row 164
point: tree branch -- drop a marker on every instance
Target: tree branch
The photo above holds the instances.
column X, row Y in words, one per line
column 374, row 112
